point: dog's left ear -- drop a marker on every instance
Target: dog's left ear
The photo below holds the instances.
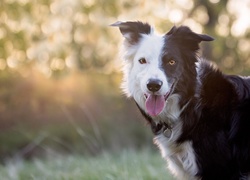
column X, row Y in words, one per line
column 188, row 38
column 132, row 31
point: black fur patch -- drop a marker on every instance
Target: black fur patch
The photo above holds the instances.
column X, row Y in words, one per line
column 132, row 31
column 219, row 125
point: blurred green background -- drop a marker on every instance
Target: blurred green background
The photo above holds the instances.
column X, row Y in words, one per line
column 60, row 69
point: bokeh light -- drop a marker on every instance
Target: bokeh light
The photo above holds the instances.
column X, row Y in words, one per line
column 43, row 32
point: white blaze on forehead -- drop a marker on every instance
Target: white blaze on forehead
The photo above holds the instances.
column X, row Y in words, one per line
column 150, row 47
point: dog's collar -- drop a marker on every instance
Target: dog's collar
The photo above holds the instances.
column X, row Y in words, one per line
column 157, row 128
column 161, row 128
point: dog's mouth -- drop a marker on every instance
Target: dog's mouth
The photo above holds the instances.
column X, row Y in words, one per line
column 155, row 103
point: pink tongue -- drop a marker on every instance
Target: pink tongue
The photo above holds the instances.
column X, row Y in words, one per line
column 155, row 104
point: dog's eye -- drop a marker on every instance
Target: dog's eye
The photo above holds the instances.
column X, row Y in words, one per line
column 142, row 61
column 171, row 62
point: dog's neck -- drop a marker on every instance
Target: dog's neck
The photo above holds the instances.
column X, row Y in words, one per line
column 170, row 116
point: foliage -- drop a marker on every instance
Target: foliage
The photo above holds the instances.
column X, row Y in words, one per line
column 60, row 35
column 142, row 165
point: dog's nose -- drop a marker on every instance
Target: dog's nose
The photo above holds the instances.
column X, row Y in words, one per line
column 154, row 85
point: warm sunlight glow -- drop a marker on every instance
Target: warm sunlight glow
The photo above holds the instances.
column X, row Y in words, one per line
column 64, row 35
column 193, row 25
column 57, row 64
column 222, row 30
column 241, row 9
column 185, row 4
column 201, row 15
column 214, row 1
column 70, row 62
column 2, row 64
column 175, row 15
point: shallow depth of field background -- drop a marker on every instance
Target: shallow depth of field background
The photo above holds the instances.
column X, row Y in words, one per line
column 60, row 78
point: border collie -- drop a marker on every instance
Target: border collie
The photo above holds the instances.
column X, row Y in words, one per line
column 200, row 117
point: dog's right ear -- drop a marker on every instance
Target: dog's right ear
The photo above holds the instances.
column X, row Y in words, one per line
column 133, row 30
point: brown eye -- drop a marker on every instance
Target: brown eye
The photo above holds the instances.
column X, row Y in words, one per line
column 142, row 61
column 171, row 62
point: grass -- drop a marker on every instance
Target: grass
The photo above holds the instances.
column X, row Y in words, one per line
column 127, row 165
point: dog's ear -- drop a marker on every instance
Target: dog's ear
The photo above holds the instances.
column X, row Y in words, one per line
column 133, row 30
column 188, row 38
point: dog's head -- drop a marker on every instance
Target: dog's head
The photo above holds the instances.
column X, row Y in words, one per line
column 155, row 64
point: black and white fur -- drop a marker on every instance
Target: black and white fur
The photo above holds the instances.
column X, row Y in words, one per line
column 207, row 112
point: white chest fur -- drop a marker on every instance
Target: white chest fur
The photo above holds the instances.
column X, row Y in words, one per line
column 180, row 157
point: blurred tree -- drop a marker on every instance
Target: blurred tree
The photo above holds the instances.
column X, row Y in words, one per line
column 60, row 35
column 223, row 23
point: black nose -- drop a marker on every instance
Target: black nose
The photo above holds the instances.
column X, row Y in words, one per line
column 154, row 85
